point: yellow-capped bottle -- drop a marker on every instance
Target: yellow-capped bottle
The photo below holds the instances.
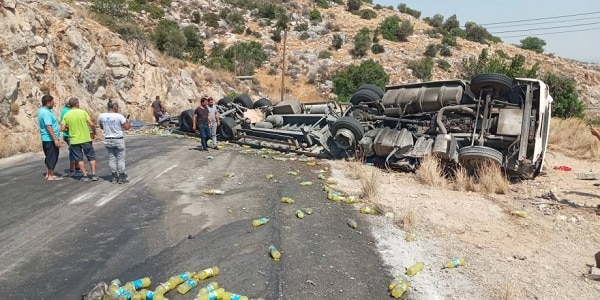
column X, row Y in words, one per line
column 308, row 211
column 187, row 286
column 368, row 210
column 287, row 200
column 311, row 163
column 306, row 183
column 414, row 269
column 399, row 286
column 138, row 284
column 208, row 273
column 213, row 286
column 212, row 295
column 331, row 182
column 335, row 196
column 232, row 296
column 274, row 253
column 259, row 222
column 454, row 263
column 352, row 223
column 411, row 237
column 299, row 214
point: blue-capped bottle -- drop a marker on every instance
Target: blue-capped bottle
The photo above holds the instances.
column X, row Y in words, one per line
column 187, row 286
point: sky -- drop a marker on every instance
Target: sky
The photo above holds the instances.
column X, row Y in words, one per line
column 582, row 46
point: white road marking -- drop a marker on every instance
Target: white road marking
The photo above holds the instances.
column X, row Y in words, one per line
column 165, row 171
column 80, row 198
column 114, row 193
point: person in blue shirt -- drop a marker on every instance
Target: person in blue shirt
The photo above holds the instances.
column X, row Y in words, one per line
column 73, row 166
column 50, row 135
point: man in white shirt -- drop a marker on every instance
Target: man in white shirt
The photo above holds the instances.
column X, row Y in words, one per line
column 113, row 123
column 213, row 115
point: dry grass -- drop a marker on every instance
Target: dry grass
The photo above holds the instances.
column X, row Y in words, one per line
column 488, row 179
column 354, row 169
column 19, row 142
column 14, row 108
column 409, row 219
column 430, row 172
column 369, row 187
column 573, row 137
column 507, row 292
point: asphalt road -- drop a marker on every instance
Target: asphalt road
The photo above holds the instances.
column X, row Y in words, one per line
column 58, row 239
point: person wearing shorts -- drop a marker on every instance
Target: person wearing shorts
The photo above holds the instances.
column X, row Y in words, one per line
column 79, row 123
column 73, row 167
column 50, row 135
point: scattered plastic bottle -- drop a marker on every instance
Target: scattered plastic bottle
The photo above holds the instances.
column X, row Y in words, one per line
column 270, row 176
column 306, row 183
column 299, row 214
column 147, row 295
column 214, row 192
column 172, row 283
column 138, row 284
column 368, row 210
column 321, row 176
column 351, row 200
column 212, row 295
column 399, row 286
column 232, row 296
column 293, row 173
column 352, row 223
column 410, row 237
column 331, row 182
column 207, row 273
column 114, row 286
column 327, row 189
column 323, row 171
column 213, row 286
column 274, row 253
column 519, row 213
column 308, row 211
column 210, row 157
column 187, row 286
column 335, row 196
column 287, row 200
column 454, row 263
column 259, row 222
column 229, row 174
column 246, row 146
column 414, row 269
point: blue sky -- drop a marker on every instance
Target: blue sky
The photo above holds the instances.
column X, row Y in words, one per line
column 583, row 46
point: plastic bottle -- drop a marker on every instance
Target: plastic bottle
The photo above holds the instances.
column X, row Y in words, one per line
column 293, row 173
column 454, row 263
column 299, row 214
column 258, row 222
column 368, row 210
column 275, row 254
column 270, row 176
column 352, row 223
column 414, row 269
column 208, row 288
column 212, row 295
column 399, row 286
column 229, row 174
column 214, row 192
column 306, row 183
column 308, row 211
column 323, row 171
column 311, row 163
column 331, row 182
column 187, row 286
column 207, row 273
column 232, row 296
column 327, row 189
column 519, row 213
column 114, row 286
column 147, row 295
column 335, row 196
column 321, row 176
column 287, row 200
column 172, row 283
column 138, row 284
column 351, row 200
column 410, row 237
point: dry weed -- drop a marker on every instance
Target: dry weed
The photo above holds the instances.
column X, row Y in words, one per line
column 463, row 182
column 409, row 219
column 369, row 187
column 491, row 179
column 573, row 137
column 430, row 172
column 354, row 169
column 19, row 142
column 507, row 292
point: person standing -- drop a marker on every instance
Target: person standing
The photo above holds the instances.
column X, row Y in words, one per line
column 113, row 123
column 159, row 111
column 79, row 123
column 50, row 135
column 73, row 167
column 202, row 122
column 213, row 116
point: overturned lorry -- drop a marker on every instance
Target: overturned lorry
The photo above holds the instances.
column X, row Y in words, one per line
column 491, row 118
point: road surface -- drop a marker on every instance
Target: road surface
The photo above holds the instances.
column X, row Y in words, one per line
column 58, row 239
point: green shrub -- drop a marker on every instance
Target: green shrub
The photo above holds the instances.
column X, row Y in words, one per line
column 235, row 18
column 376, row 36
column 135, row 6
column 377, row 48
column 339, row 2
column 269, row 11
column 378, row 7
column 276, row 35
column 362, row 42
column 239, row 29
column 394, row 29
column 304, row 36
column 194, row 48
column 563, row 90
column 422, row 68
column 449, row 40
column 196, row 17
column 301, row 27
column 114, row 9
column 451, row 23
column 457, row 32
column 211, row 20
column 495, row 63
column 337, row 41
column 324, row 54
column 444, row 64
column 169, row 38
column 403, row 8
column 431, row 50
column 478, row 33
column 322, row 3
column 353, row 5
column 436, row 21
column 445, row 51
column 315, row 16
column 155, row 12
column 250, row 54
column 367, row 14
column 166, row 3
column 533, row 43
column 130, row 31
column 346, row 80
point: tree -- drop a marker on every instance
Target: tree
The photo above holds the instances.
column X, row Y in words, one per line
column 422, row 68
column 194, row 47
column 346, row 80
column 478, row 33
column 403, row 8
column 498, row 63
column 533, row 43
column 353, row 5
column 248, row 55
column 405, row 30
column 451, row 23
column 436, row 21
column 367, row 14
column 362, row 42
column 566, row 102
column 169, row 38
column 337, row 41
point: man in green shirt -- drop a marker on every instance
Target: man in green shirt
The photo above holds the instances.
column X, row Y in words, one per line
column 73, row 167
column 79, row 123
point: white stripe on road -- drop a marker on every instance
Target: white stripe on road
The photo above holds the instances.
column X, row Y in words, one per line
column 165, row 171
column 81, row 198
column 114, row 193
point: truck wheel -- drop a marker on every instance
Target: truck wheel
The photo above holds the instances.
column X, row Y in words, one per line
column 500, row 83
column 262, row 102
column 225, row 101
column 185, row 120
column 346, row 132
column 228, row 129
column 472, row 156
column 243, row 100
column 373, row 88
column 364, row 95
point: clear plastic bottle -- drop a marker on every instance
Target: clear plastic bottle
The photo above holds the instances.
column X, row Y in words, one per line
column 368, row 210
column 259, row 222
column 232, row 296
column 299, row 214
column 321, row 176
column 454, row 263
column 293, row 173
column 214, row 192
column 270, row 176
column 208, row 288
column 399, row 286
column 147, row 294
column 351, row 200
column 327, row 189
column 414, row 269
column 229, row 175
column 352, row 223
column 173, row 282
column 331, row 182
column 187, row 286
column 311, row 163
column 287, row 200
column 212, row 295
column 114, row 286
column 275, row 254
column 519, row 213
column 335, row 196
column 308, row 211
column 138, row 284
column 411, row 237
column 306, row 183
column 207, row 273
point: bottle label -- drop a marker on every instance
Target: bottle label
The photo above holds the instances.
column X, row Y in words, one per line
column 150, row 295
column 209, row 288
column 137, row 284
column 235, row 297
column 192, row 283
column 184, row 276
column 209, row 272
column 263, row 220
column 212, row 295
column 456, row 262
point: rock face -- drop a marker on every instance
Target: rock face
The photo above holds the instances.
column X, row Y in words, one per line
column 45, row 48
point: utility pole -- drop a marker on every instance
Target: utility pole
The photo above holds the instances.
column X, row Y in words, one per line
column 283, row 64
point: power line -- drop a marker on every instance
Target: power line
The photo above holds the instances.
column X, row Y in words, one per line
column 549, row 33
column 545, row 28
column 540, row 23
column 545, row 18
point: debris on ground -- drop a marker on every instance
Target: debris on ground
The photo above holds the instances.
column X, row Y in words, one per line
column 352, row 223
column 454, row 263
column 308, row 211
column 287, row 200
column 415, row 269
column 306, row 183
column 259, row 222
column 399, row 286
column 410, row 237
column 299, row 214
column 274, row 253
column 213, row 192
column 229, row 175
column 519, row 213
column 562, row 168
column 367, row 210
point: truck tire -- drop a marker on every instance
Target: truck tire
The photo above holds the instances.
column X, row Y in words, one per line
column 347, row 131
column 185, row 120
column 373, row 88
column 364, row 95
column 262, row 102
column 472, row 156
column 225, row 101
column 243, row 100
column 501, row 83
column 228, row 129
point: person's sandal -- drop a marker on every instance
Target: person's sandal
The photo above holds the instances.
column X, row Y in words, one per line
column 55, row 178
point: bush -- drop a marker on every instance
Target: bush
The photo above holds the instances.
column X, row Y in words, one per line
column 346, row 80
column 563, row 90
column 166, row 3
column 130, row 31
column 422, row 68
column 377, row 48
column 498, row 63
column 194, row 48
column 353, row 5
column 135, row 6
column 478, row 33
column 339, row 2
column 449, row 40
column 211, row 20
column 451, row 23
column 394, row 29
column 362, row 42
column 337, row 41
column 436, row 21
column 301, row 27
column 304, row 36
column 155, row 12
column 367, row 14
column 444, row 64
column 403, row 8
column 533, row 43
column 315, row 16
column 406, row 29
column 250, row 54
column 114, row 9
column 378, row 7
column 324, row 54
column 276, row 35
column 376, row 36
column 169, row 38
column 235, row 19
column 196, row 17
column 432, row 50
column 322, row 3
column 445, row 51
